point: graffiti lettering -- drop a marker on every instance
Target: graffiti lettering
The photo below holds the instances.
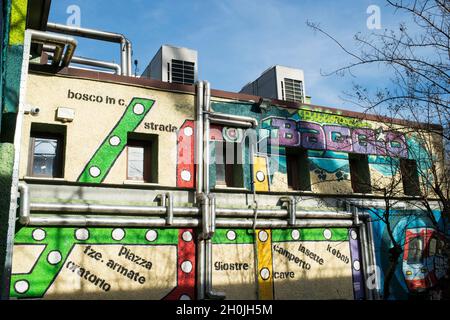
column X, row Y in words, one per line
column 309, row 135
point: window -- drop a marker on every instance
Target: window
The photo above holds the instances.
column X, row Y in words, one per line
column 360, row 174
column 433, row 247
column 183, row 72
column 415, row 250
column 229, row 170
column 142, row 158
column 298, row 169
column 46, row 154
column 293, row 90
column 410, row 177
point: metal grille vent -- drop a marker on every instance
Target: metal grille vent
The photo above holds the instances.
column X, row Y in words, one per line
column 183, row 72
column 293, row 90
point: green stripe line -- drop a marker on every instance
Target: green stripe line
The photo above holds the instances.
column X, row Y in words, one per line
column 316, row 234
column 104, row 158
column 242, row 236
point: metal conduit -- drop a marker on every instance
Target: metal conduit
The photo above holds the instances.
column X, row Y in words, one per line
column 125, row 44
column 87, row 61
column 55, row 39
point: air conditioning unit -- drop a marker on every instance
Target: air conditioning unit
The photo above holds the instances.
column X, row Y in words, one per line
column 174, row 65
column 278, row 82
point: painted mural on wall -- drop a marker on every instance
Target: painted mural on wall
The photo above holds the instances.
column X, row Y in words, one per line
column 287, row 264
column 103, row 263
column 328, row 139
column 104, row 158
column 422, row 262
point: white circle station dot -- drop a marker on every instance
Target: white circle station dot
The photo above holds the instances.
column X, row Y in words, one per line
column 187, row 236
column 186, row 266
column 118, row 234
column 356, row 265
column 231, row 235
column 94, row 171
column 151, row 235
column 263, row 236
column 185, row 175
column 185, row 297
column 265, row 273
column 138, row 109
column 38, row 234
column 295, row 234
column 327, row 234
column 54, row 257
column 21, row 286
column 188, row 131
column 260, row 176
column 354, row 235
column 82, row 234
column 114, row 141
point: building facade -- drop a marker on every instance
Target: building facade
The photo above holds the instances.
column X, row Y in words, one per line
column 134, row 188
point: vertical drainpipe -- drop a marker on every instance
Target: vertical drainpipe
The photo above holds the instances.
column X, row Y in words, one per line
column 124, row 52
column 373, row 259
column 6, row 277
column 211, row 200
column 199, row 188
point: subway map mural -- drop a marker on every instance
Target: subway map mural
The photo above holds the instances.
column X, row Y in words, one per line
column 104, row 263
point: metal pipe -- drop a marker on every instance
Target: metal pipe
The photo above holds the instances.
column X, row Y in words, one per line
column 292, row 208
column 181, row 211
column 91, row 62
column 98, row 63
column 125, row 44
column 108, row 221
column 24, row 213
column 233, row 123
column 169, row 218
column 266, row 224
column 365, row 264
column 201, row 269
column 5, row 271
column 376, row 293
column 204, row 203
column 45, row 38
column 230, row 117
column 206, row 133
column 199, row 138
column 212, row 209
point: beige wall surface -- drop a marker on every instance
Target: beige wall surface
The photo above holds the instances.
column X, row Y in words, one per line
column 93, row 121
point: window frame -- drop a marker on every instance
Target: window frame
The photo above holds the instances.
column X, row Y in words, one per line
column 361, row 183
column 147, row 145
column 59, row 154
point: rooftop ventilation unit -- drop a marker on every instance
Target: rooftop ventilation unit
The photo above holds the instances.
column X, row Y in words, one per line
column 175, row 65
column 280, row 83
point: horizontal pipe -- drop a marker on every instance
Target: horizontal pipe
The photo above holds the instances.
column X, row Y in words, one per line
column 224, row 116
column 310, row 223
column 85, row 32
column 181, row 211
column 234, row 123
column 98, row 63
column 118, row 221
column 125, row 44
column 98, row 208
column 91, row 62
column 107, row 221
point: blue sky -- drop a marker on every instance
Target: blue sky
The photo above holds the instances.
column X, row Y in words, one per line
column 238, row 39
